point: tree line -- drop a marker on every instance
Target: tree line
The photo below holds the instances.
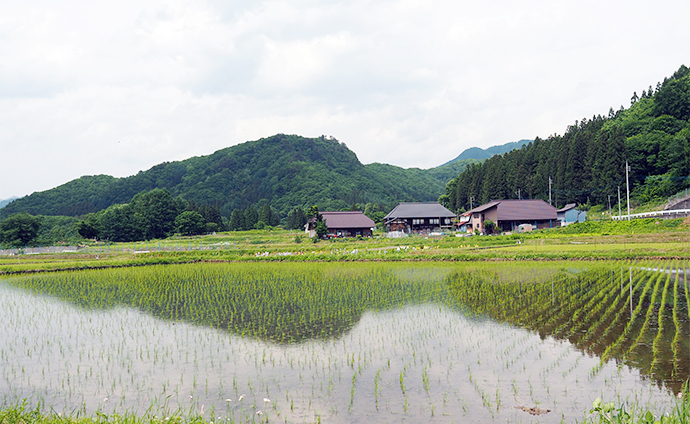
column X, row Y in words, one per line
column 153, row 215
column 586, row 165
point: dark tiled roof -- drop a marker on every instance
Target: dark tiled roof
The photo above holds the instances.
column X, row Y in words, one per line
column 347, row 219
column 520, row 210
column 419, row 210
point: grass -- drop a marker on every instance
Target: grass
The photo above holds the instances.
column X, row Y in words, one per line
column 617, row 414
column 592, row 240
column 600, row 413
column 20, row 414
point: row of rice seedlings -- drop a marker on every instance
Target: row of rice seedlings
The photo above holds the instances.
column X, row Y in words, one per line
column 599, row 344
column 659, row 354
column 582, row 316
column 573, row 294
column 601, row 309
column 675, row 344
column 681, row 340
column 649, row 316
column 598, row 331
column 616, row 345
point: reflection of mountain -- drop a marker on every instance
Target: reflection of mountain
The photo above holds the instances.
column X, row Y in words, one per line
column 591, row 309
column 282, row 303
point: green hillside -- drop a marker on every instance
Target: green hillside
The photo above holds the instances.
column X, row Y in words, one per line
column 587, row 163
column 285, row 171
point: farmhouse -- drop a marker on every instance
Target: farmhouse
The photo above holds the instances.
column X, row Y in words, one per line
column 509, row 215
column 418, row 218
column 345, row 224
column 569, row 214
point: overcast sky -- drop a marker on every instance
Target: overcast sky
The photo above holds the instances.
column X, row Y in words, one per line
column 90, row 87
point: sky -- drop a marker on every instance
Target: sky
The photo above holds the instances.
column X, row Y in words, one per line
column 114, row 88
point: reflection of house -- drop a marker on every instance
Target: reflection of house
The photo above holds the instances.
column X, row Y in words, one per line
column 418, row 218
column 345, row 224
column 509, row 214
column 569, row 213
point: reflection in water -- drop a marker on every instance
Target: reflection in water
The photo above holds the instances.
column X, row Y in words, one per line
column 283, row 303
column 634, row 314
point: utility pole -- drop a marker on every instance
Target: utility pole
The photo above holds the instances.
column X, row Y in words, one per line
column 549, row 190
column 609, row 205
column 471, row 200
column 518, row 193
column 619, row 202
column 627, row 185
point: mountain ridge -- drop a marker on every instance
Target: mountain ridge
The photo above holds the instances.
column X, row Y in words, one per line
column 478, row 153
column 283, row 170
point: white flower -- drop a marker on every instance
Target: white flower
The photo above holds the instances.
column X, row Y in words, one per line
column 227, row 400
column 259, row 413
column 267, row 400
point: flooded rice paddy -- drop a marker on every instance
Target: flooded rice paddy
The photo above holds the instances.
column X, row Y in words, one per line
column 348, row 342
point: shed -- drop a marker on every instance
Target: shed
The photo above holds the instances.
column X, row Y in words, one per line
column 569, row 214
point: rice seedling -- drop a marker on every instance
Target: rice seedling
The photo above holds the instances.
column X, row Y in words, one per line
column 229, row 340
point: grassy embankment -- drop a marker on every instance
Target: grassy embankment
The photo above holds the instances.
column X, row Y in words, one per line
column 600, row 413
column 637, row 239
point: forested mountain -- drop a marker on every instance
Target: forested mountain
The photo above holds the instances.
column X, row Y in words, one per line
column 587, row 163
column 284, row 171
column 477, row 154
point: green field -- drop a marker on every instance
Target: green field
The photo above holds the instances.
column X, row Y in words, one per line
column 627, row 240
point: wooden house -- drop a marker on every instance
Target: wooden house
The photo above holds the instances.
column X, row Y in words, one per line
column 423, row 218
column 508, row 215
column 345, row 224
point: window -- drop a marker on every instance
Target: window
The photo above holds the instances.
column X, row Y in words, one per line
column 434, row 221
column 417, row 221
column 447, row 221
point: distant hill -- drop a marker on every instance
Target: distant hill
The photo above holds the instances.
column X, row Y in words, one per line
column 479, row 154
column 5, row 202
column 283, row 170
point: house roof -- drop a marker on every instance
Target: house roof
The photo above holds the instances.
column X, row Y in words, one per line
column 348, row 219
column 519, row 210
column 483, row 207
column 567, row 207
column 419, row 210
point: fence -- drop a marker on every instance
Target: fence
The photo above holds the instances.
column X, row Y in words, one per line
column 667, row 214
column 678, row 198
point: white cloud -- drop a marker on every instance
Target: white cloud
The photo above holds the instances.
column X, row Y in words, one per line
column 90, row 88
